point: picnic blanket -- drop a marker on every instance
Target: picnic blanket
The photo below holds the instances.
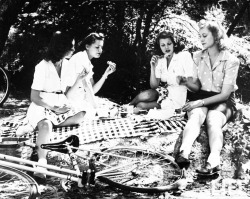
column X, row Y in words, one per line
column 103, row 129
column 97, row 130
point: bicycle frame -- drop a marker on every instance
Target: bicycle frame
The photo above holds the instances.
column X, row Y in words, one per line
column 72, row 175
column 68, row 172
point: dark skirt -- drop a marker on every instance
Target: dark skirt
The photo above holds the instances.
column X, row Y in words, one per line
column 221, row 106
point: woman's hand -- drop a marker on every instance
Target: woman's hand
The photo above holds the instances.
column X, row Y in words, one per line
column 61, row 109
column 191, row 105
column 154, row 61
column 82, row 75
column 110, row 69
column 181, row 80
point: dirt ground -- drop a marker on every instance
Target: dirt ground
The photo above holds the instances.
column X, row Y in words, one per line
column 15, row 109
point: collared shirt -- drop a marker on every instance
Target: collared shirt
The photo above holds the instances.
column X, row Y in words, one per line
column 223, row 72
column 47, row 79
column 180, row 65
column 77, row 63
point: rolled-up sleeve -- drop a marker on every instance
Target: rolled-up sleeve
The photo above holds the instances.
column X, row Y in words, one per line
column 231, row 72
column 39, row 78
column 195, row 64
column 187, row 64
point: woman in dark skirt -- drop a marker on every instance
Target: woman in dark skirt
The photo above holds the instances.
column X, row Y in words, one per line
column 216, row 71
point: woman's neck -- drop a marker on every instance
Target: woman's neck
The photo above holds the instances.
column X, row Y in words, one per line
column 213, row 51
column 89, row 56
column 169, row 58
column 58, row 66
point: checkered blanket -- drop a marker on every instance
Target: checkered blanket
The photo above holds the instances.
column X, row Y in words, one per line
column 97, row 130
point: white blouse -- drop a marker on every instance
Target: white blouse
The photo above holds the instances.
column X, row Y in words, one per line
column 47, row 79
column 84, row 92
column 180, row 65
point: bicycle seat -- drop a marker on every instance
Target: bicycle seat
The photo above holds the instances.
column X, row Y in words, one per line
column 62, row 146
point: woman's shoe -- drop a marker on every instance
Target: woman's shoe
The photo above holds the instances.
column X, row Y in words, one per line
column 182, row 161
column 208, row 169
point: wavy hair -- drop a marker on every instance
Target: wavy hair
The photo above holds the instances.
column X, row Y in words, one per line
column 165, row 35
column 60, row 44
column 218, row 32
column 90, row 39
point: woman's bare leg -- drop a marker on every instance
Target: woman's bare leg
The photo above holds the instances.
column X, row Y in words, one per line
column 145, row 96
column 192, row 129
column 76, row 119
column 215, row 121
column 44, row 131
column 148, row 105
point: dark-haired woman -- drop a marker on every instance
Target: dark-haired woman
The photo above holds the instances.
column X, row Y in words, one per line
column 50, row 106
column 170, row 75
column 84, row 94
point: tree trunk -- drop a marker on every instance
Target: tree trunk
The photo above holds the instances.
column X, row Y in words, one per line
column 238, row 17
column 9, row 10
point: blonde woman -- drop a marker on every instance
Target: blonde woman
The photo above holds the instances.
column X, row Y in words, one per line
column 216, row 71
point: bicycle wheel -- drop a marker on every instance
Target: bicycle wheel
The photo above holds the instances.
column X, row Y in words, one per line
column 4, row 85
column 16, row 184
column 141, row 171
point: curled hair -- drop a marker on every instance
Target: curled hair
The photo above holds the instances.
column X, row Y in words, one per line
column 59, row 45
column 218, row 32
column 165, row 35
column 90, row 39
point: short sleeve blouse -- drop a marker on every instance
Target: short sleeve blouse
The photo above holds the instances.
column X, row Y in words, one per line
column 180, row 65
column 77, row 63
column 223, row 72
column 47, row 79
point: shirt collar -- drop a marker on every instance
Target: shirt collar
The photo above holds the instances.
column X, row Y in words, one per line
column 223, row 56
column 86, row 57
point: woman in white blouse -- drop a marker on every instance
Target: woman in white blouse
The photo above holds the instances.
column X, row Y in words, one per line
column 84, row 94
column 170, row 75
column 50, row 106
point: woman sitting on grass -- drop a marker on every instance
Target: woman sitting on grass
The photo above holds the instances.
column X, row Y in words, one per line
column 84, row 94
column 216, row 69
column 171, row 75
column 50, row 106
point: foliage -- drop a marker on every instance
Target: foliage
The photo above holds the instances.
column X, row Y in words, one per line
column 130, row 28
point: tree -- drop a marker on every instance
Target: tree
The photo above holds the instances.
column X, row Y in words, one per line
column 238, row 17
column 9, row 9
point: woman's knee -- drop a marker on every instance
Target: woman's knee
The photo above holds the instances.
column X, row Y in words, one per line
column 45, row 125
column 215, row 119
column 197, row 115
column 148, row 95
column 141, row 105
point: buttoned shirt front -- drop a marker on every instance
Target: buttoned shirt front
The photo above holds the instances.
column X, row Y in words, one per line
column 223, row 72
column 77, row 63
column 47, row 80
column 180, row 65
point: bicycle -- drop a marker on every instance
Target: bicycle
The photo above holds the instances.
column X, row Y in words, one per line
column 127, row 168
column 4, row 85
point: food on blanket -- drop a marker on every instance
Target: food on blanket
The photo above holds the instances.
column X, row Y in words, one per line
column 103, row 112
column 162, row 114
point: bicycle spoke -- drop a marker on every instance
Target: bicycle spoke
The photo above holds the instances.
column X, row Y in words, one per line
column 16, row 184
column 151, row 170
